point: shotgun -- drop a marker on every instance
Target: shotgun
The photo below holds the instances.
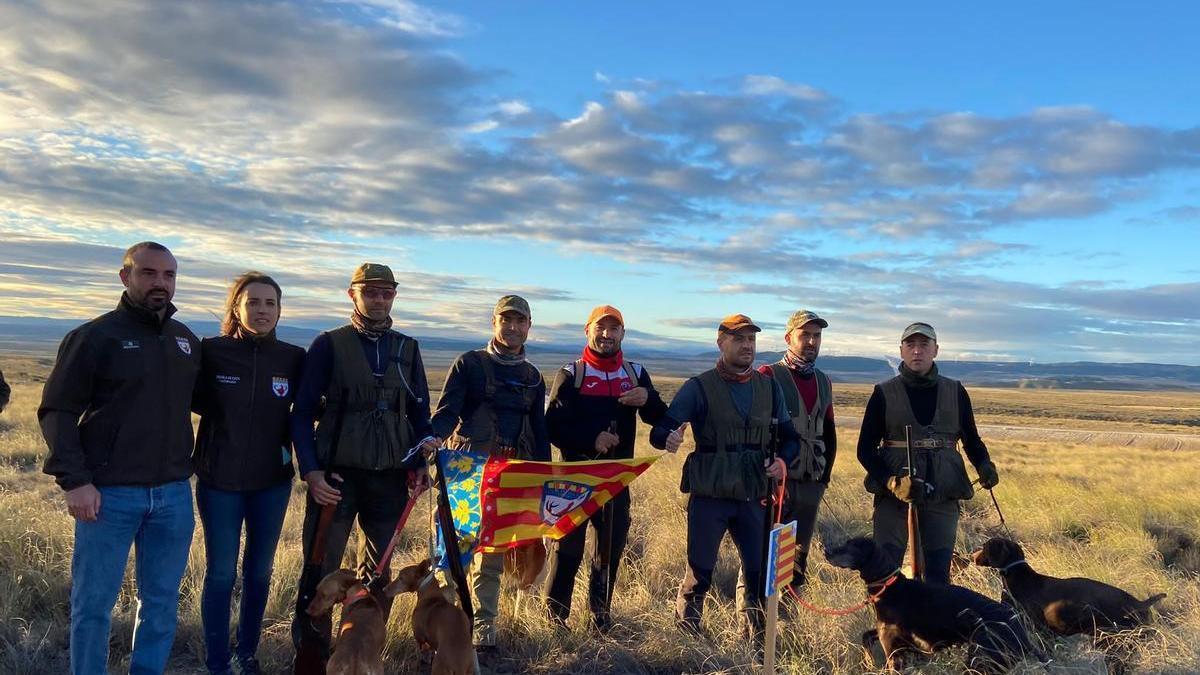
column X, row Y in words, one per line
column 915, row 550
column 310, row 658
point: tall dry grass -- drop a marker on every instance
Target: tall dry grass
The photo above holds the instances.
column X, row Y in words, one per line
column 1128, row 516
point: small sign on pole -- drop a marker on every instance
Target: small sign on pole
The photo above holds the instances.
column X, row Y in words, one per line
column 779, row 568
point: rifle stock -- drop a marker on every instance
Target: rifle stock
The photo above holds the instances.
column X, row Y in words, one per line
column 309, row 656
column 916, row 551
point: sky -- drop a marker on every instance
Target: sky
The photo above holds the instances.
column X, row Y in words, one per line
column 1025, row 177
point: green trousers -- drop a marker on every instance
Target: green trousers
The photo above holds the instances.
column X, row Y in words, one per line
column 939, row 528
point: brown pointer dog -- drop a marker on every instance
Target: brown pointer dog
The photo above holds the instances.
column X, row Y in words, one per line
column 914, row 615
column 359, row 648
column 1065, row 606
column 437, row 624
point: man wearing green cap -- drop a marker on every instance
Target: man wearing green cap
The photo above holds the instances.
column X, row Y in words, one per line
column 939, row 413
column 809, row 396
column 364, row 388
column 735, row 412
column 494, row 401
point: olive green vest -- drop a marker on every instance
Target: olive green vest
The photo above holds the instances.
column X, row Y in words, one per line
column 478, row 430
column 935, row 447
column 376, row 433
column 810, row 462
column 730, row 449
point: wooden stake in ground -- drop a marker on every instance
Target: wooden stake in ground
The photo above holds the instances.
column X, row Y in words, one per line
column 778, row 569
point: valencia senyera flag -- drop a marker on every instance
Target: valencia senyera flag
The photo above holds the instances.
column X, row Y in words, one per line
column 502, row 503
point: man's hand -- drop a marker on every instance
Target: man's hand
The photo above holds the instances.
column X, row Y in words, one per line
column 83, row 503
column 322, row 492
column 418, row 480
column 606, row 441
column 777, row 469
column 988, row 477
column 906, row 488
column 430, row 445
column 634, row 398
column 675, row 438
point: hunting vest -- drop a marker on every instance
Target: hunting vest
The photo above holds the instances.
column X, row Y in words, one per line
column 375, row 431
column 479, row 429
column 730, row 448
column 935, row 447
column 809, row 464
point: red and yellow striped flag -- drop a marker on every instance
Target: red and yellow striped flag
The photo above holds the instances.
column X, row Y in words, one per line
column 523, row 501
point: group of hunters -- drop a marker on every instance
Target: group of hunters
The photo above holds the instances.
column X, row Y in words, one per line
column 353, row 413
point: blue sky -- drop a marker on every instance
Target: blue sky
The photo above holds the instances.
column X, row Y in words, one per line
column 1022, row 176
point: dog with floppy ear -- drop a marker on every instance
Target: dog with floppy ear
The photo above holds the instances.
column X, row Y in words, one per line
column 359, row 647
column 1065, row 606
column 437, row 624
column 913, row 615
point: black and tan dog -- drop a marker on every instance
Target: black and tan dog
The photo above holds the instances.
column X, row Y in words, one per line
column 1064, row 606
column 915, row 616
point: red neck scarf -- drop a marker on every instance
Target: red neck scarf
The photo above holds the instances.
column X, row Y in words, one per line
column 730, row 375
column 605, row 364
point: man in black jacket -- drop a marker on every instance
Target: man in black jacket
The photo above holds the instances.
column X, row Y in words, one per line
column 594, row 404
column 939, row 413
column 116, row 414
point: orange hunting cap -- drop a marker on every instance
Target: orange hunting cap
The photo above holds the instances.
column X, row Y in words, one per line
column 737, row 322
column 603, row 311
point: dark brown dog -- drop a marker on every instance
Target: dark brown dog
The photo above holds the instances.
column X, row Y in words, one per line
column 1065, row 606
column 359, row 648
column 915, row 616
column 437, row 624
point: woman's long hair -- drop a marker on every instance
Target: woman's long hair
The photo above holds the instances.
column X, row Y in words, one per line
column 232, row 325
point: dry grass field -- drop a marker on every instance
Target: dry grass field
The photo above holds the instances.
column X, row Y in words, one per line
column 1126, row 514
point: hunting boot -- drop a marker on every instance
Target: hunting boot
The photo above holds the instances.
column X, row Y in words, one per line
column 598, row 602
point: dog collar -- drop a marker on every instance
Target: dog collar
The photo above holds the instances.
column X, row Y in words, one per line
column 1009, row 566
column 354, row 597
column 886, row 580
column 425, row 580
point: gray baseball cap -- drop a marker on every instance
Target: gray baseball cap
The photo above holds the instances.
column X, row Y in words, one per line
column 803, row 316
column 919, row 328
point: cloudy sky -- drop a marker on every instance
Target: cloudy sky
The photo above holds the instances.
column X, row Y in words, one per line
column 1026, row 179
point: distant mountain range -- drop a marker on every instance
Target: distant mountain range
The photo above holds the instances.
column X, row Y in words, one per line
column 36, row 335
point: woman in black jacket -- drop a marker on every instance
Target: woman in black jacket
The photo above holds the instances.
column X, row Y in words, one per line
column 243, row 461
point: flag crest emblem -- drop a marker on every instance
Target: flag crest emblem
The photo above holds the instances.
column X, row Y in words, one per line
column 185, row 345
column 560, row 496
column 279, row 385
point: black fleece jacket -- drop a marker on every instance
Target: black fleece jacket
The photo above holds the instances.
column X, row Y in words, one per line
column 116, row 408
column 244, row 396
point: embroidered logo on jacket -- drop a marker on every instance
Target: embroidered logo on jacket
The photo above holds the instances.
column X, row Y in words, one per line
column 279, row 385
column 185, row 345
column 130, row 344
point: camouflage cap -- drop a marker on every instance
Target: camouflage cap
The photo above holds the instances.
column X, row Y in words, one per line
column 368, row 272
column 803, row 316
column 512, row 303
column 918, row 328
column 737, row 322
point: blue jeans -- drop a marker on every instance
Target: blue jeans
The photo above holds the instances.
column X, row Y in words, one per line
column 222, row 514
column 158, row 523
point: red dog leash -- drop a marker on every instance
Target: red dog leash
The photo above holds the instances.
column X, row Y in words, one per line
column 386, row 558
column 871, row 599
